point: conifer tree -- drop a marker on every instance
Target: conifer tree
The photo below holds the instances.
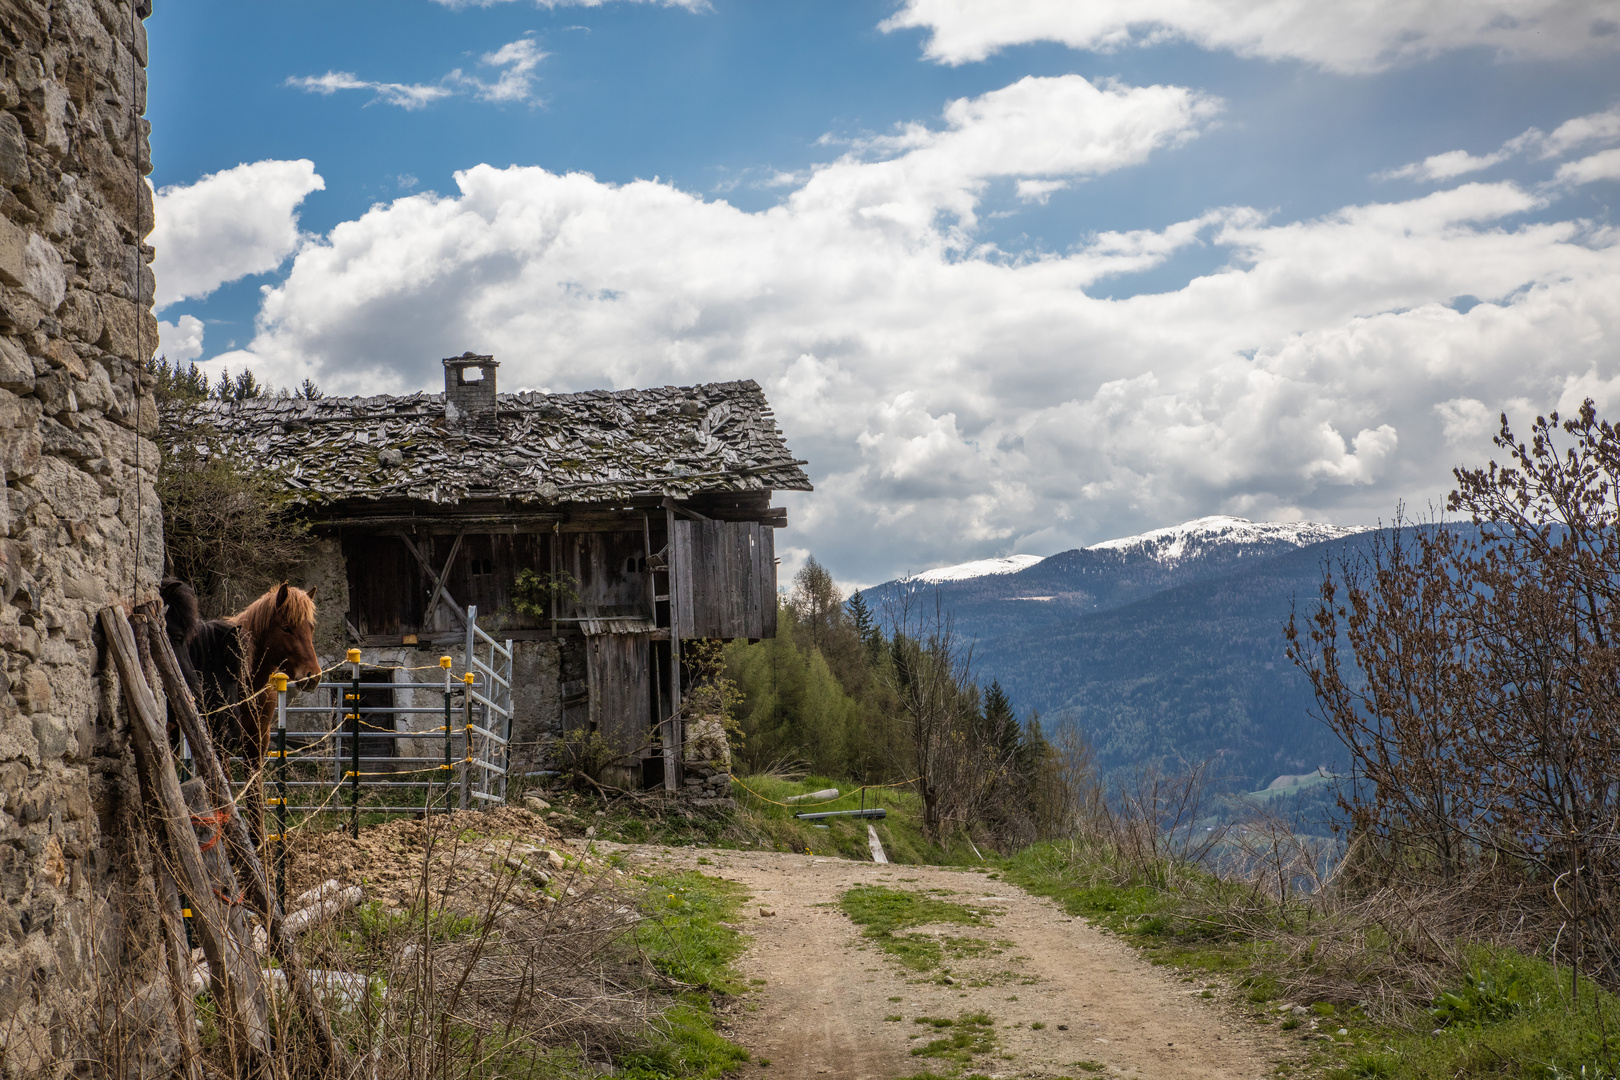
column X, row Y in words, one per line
column 865, row 626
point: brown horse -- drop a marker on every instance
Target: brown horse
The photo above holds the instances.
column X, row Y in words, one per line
column 231, row 661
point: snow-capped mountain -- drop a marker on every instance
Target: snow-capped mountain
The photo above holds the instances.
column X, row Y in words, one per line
column 1009, row 564
column 1189, row 538
column 1165, row 643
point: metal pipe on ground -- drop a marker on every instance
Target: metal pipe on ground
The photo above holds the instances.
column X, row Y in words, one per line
column 878, row 814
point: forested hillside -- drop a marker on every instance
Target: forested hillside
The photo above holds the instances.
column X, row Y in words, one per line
column 1155, row 658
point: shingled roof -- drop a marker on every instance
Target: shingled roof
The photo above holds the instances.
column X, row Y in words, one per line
column 592, row 447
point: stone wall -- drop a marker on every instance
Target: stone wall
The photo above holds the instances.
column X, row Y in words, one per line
column 79, row 522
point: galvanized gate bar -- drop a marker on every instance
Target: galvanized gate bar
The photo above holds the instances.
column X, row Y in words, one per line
column 484, row 735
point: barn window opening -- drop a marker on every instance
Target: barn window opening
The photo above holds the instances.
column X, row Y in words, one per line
column 483, row 567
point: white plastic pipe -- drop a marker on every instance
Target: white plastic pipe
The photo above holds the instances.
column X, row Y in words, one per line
column 814, row 796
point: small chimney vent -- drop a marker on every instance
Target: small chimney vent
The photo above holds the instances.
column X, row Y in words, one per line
column 469, row 388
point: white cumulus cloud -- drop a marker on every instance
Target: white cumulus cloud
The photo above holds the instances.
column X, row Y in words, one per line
column 960, row 401
column 181, row 340
column 1353, row 37
column 227, row 225
column 1604, row 166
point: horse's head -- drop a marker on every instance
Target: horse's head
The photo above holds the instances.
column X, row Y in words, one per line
column 282, row 626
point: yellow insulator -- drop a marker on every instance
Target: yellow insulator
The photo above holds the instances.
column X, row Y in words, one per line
column 469, row 678
column 354, row 656
column 278, row 680
column 445, row 662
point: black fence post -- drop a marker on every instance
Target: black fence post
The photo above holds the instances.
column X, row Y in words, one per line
column 280, row 681
column 445, row 662
column 354, row 749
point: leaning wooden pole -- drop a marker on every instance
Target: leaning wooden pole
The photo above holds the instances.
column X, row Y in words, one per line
column 178, row 960
column 240, row 845
column 238, row 984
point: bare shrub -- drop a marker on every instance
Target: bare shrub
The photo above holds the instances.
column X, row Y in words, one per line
column 227, row 525
column 480, row 972
column 931, row 673
column 1474, row 677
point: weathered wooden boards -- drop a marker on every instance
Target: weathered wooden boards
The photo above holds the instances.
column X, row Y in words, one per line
column 619, row 675
column 725, row 579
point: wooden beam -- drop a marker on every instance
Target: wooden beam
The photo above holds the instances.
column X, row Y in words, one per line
column 684, row 511
column 439, row 589
column 449, row 523
column 672, row 734
column 438, row 582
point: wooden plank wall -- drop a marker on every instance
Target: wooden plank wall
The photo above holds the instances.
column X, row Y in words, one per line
column 765, row 582
column 725, row 578
column 600, row 564
column 618, row 672
column 386, row 585
column 485, row 570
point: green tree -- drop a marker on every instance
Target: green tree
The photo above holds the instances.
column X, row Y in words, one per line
column 793, row 707
column 180, row 384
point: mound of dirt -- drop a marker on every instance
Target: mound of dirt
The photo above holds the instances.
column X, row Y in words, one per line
column 450, row 855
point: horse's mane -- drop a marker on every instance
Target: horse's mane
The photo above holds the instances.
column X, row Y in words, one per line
column 257, row 616
column 183, row 617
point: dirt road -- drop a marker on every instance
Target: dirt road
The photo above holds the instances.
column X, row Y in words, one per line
column 833, row 1006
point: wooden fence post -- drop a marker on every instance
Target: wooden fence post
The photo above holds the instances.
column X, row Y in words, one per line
column 241, row 845
column 237, row 981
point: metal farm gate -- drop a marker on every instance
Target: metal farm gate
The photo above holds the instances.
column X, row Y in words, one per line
column 353, row 755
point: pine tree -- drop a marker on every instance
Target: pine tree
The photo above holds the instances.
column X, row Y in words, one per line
column 865, row 626
column 1001, row 725
column 247, row 386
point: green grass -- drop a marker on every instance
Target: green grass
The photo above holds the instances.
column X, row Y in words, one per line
column 684, row 1044
column 761, row 824
column 886, row 913
column 683, row 934
column 1509, row 1016
column 684, row 937
column 968, row 1036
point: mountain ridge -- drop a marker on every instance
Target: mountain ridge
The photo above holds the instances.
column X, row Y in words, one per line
column 1162, row 644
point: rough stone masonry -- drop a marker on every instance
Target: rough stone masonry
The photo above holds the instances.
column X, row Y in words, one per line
column 79, row 527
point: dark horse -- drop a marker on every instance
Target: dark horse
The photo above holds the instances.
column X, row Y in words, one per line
column 228, row 663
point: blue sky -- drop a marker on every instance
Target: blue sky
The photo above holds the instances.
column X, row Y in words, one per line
column 1124, row 283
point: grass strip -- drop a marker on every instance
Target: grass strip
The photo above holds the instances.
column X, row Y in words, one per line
column 684, row 936
column 885, row 913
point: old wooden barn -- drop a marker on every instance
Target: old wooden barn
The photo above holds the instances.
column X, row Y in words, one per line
column 598, row 531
